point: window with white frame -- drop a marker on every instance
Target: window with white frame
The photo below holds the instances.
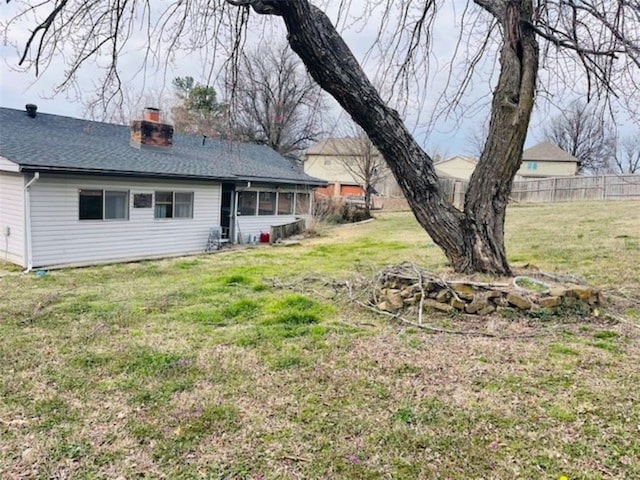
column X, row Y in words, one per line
column 97, row 204
column 173, row 204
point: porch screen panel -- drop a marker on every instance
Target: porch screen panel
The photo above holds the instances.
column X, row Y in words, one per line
column 247, row 203
column 285, row 203
column 267, row 203
column 303, row 203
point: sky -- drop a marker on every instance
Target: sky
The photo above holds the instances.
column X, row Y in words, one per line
column 444, row 136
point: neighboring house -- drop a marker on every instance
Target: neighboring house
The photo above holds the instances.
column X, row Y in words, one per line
column 336, row 159
column 458, row 167
column 543, row 160
column 546, row 159
column 78, row 192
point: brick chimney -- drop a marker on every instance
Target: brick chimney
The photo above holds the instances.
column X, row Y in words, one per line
column 151, row 133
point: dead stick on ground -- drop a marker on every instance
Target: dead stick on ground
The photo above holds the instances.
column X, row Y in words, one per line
column 427, row 327
column 422, row 294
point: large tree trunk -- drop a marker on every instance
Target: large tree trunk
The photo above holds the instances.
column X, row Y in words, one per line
column 491, row 182
column 472, row 240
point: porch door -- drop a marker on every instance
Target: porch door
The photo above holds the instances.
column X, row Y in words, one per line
column 226, row 210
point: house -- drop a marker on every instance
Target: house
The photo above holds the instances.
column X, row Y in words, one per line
column 546, row 159
column 78, row 192
column 341, row 163
column 458, row 167
column 542, row 160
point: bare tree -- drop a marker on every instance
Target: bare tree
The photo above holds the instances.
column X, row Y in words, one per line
column 129, row 107
column 476, row 139
column 362, row 161
column 585, row 134
column 594, row 41
column 275, row 102
column 627, row 159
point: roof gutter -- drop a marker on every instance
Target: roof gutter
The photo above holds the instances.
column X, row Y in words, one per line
column 306, row 182
column 116, row 173
column 242, row 178
column 27, row 218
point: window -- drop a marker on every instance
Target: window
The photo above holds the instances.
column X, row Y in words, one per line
column 174, row 205
column 267, row 203
column 532, row 165
column 103, row 205
column 247, row 202
column 91, row 204
column 164, row 205
column 303, row 203
column 285, row 203
column 184, row 204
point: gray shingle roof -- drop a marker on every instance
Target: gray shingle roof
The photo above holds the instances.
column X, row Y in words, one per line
column 549, row 152
column 53, row 142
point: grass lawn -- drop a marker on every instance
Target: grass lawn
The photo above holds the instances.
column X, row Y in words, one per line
column 209, row 367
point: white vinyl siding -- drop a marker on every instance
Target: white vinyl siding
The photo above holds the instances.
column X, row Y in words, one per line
column 60, row 238
column 12, row 247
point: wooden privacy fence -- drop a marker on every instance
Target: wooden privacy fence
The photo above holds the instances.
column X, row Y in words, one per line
column 454, row 190
column 558, row 189
column 571, row 189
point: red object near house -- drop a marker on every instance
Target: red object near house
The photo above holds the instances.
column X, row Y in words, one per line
column 264, row 237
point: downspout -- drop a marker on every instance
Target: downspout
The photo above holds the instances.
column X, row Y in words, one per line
column 27, row 219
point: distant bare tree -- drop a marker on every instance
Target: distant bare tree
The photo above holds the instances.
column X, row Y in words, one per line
column 476, row 139
column 585, row 134
column 129, row 107
column 627, row 159
column 365, row 164
column 275, row 102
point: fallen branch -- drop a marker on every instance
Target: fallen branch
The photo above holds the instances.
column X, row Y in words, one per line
column 433, row 329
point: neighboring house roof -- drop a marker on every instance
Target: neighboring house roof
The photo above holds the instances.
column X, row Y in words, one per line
column 457, row 167
column 337, row 146
column 548, row 152
column 73, row 145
